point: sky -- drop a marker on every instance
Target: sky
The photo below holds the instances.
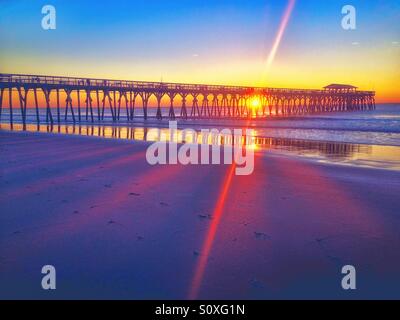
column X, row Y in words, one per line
column 204, row 41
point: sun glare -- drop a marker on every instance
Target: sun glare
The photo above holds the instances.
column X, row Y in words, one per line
column 255, row 103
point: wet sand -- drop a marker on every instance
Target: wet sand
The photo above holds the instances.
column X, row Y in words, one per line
column 116, row 227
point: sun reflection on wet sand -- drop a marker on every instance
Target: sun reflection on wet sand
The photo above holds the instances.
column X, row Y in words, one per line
column 379, row 156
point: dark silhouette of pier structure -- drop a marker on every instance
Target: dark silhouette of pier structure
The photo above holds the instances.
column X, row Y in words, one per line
column 85, row 100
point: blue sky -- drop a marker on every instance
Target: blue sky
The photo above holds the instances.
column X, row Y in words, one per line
column 202, row 41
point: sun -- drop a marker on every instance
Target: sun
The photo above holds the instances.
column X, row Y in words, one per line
column 255, row 103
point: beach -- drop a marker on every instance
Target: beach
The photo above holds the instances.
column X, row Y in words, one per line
column 115, row 227
column 194, row 156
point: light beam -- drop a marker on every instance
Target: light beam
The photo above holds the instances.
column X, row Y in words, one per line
column 281, row 31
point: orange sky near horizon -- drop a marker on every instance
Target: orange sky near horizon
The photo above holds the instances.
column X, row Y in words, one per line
column 282, row 74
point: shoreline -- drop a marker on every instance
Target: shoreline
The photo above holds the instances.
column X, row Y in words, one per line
column 386, row 158
column 232, row 123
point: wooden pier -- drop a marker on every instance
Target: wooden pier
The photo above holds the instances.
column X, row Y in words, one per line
column 86, row 99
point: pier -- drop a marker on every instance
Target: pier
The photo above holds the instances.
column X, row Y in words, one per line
column 86, row 99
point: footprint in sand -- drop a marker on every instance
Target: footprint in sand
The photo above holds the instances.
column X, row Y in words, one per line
column 320, row 240
column 205, row 216
column 261, row 236
column 257, row 284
